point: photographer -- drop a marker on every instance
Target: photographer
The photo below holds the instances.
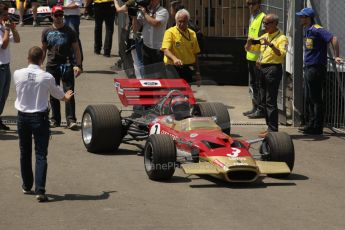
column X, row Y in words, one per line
column 133, row 40
column 154, row 19
column 8, row 33
column 272, row 48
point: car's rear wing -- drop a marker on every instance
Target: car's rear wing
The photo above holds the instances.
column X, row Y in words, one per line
column 150, row 91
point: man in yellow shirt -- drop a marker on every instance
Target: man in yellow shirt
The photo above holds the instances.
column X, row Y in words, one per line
column 180, row 47
column 273, row 45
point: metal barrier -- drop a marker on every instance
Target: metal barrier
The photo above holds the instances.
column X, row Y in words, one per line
column 334, row 97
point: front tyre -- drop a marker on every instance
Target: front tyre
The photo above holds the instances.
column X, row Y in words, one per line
column 101, row 128
column 278, row 146
column 160, row 157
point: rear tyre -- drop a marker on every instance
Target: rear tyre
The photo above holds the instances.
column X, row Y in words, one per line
column 101, row 128
column 278, row 146
column 160, row 157
column 210, row 109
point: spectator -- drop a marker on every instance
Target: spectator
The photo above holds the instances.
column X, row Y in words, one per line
column 22, row 7
column 315, row 60
column 72, row 19
column 154, row 20
column 255, row 30
column 134, row 42
column 273, row 45
column 104, row 10
column 33, row 87
column 176, row 6
column 180, row 47
column 60, row 43
column 8, row 34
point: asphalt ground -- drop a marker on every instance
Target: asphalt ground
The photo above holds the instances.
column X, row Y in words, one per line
column 112, row 191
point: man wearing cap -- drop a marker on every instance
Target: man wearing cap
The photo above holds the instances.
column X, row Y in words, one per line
column 315, row 60
column 60, row 43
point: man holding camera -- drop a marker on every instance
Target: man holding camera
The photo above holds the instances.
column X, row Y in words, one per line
column 8, row 33
column 154, row 19
column 272, row 47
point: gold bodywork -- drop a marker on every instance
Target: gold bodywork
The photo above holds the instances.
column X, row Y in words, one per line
column 236, row 169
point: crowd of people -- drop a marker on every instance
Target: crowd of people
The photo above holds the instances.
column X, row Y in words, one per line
column 157, row 42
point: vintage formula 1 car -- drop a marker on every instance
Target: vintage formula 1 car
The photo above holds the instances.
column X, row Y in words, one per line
column 182, row 133
column 43, row 11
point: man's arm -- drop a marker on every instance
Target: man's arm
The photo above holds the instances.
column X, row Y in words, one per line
column 44, row 49
column 77, row 68
column 120, row 9
column 149, row 19
column 73, row 5
column 335, row 45
column 172, row 57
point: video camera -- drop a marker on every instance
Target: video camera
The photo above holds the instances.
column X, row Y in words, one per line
column 133, row 10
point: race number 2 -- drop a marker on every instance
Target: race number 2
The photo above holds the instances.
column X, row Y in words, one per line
column 155, row 129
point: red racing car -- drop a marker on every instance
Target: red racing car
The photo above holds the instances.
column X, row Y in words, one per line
column 178, row 132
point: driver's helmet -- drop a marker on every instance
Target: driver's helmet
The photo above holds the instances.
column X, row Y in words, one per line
column 180, row 107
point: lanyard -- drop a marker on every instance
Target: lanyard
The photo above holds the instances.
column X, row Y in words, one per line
column 183, row 35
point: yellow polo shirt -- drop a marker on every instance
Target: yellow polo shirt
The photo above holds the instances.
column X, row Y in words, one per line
column 267, row 56
column 184, row 45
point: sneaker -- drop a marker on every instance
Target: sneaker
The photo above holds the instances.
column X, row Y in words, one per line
column 257, row 114
column 21, row 23
column 72, row 126
column 249, row 112
column 26, row 192
column 53, row 124
column 4, row 127
column 42, row 197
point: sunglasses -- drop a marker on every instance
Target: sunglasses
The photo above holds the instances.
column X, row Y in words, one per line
column 266, row 23
column 58, row 15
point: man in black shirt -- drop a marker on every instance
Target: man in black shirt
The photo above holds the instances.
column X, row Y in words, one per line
column 60, row 43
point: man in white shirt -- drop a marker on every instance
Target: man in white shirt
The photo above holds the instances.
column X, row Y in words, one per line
column 8, row 34
column 154, row 19
column 33, row 87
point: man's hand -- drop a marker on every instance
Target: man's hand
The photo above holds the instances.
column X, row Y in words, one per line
column 339, row 60
column 76, row 71
column 68, row 95
column 177, row 62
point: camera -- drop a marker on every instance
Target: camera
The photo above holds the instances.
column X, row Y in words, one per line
column 133, row 10
column 256, row 41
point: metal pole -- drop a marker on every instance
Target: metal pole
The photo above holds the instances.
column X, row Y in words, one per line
column 298, row 96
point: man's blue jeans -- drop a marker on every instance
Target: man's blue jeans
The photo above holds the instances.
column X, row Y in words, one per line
column 73, row 21
column 36, row 125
